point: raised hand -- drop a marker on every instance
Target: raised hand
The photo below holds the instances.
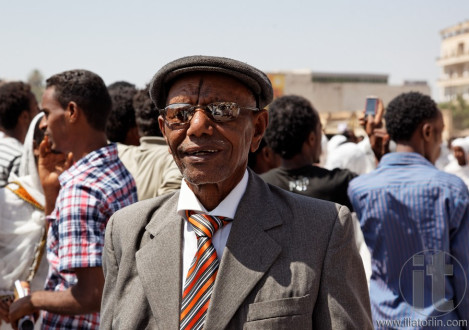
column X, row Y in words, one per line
column 374, row 127
column 50, row 165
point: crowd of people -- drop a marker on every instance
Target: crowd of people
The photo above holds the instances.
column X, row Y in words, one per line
column 199, row 201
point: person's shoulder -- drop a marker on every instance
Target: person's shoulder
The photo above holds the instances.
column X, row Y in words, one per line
column 124, row 150
column 449, row 180
column 365, row 181
column 341, row 173
column 271, row 174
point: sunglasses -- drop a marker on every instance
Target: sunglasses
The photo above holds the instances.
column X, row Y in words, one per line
column 180, row 114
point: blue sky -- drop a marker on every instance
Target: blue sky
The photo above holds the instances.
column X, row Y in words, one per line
column 123, row 40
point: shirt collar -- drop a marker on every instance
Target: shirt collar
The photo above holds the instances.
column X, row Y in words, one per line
column 95, row 158
column 404, row 158
column 227, row 207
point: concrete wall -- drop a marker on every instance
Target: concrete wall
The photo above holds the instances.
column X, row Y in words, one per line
column 336, row 97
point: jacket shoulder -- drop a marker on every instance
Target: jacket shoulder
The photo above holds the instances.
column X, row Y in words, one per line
column 140, row 213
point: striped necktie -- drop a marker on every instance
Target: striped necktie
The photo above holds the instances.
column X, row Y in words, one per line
column 202, row 272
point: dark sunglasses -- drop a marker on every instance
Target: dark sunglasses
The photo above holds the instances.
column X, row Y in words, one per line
column 180, row 114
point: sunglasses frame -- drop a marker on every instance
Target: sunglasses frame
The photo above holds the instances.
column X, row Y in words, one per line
column 209, row 109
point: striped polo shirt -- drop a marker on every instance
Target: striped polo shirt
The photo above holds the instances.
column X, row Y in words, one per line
column 10, row 156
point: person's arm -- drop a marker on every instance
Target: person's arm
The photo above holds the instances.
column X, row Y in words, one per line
column 458, row 249
column 82, row 298
column 343, row 301
column 111, row 270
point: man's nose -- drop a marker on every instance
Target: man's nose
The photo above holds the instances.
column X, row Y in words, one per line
column 43, row 123
column 200, row 123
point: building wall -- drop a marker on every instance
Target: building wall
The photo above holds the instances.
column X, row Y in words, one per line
column 454, row 62
column 339, row 97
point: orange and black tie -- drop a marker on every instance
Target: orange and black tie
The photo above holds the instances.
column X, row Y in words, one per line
column 202, row 272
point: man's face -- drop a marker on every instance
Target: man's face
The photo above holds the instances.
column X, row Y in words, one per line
column 209, row 152
column 318, row 145
column 434, row 146
column 55, row 123
column 460, row 155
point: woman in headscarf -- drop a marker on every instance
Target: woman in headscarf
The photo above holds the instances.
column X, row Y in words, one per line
column 459, row 166
column 23, row 223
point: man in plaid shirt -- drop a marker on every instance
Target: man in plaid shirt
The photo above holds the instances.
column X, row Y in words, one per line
column 79, row 200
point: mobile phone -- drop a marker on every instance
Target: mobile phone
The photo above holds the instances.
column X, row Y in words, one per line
column 371, row 105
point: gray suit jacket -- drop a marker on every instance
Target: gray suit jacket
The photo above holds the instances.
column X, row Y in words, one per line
column 290, row 263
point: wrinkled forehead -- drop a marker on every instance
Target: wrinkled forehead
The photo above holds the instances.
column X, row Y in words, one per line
column 210, row 85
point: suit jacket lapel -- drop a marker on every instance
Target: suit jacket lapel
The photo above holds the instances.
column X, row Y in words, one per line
column 159, row 264
column 249, row 253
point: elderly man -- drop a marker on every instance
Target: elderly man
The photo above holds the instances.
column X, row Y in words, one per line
column 76, row 105
column 277, row 260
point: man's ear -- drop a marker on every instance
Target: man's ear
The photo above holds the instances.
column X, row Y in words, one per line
column 311, row 140
column 427, row 131
column 261, row 120
column 162, row 126
column 25, row 118
column 73, row 112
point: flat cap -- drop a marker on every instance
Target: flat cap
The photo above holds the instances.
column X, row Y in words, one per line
column 253, row 78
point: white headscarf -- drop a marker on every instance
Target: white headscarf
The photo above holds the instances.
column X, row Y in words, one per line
column 334, row 142
column 464, row 144
column 348, row 156
column 21, row 225
column 28, row 164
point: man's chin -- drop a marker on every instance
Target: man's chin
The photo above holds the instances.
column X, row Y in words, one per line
column 202, row 177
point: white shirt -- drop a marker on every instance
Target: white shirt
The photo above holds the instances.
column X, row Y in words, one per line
column 227, row 208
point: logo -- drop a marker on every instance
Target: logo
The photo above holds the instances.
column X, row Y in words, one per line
column 300, row 184
column 423, row 280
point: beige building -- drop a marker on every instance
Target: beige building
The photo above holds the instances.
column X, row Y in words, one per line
column 339, row 97
column 454, row 62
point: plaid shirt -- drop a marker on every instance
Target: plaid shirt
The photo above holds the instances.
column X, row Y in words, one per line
column 91, row 191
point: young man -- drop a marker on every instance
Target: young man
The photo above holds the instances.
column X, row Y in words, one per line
column 227, row 251
column 76, row 104
column 295, row 133
column 415, row 220
column 18, row 106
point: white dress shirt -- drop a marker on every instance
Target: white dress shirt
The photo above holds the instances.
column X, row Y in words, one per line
column 227, row 208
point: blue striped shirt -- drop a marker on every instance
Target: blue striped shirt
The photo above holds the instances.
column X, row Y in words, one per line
column 411, row 215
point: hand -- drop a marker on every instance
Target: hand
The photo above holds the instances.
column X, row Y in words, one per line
column 379, row 139
column 20, row 308
column 4, row 310
column 50, row 165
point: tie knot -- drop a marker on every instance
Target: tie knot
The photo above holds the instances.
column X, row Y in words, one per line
column 206, row 225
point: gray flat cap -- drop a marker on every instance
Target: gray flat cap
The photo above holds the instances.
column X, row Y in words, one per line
column 254, row 79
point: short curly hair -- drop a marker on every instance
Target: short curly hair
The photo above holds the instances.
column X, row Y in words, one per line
column 87, row 90
column 122, row 116
column 146, row 113
column 406, row 112
column 291, row 119
column 15, row 97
